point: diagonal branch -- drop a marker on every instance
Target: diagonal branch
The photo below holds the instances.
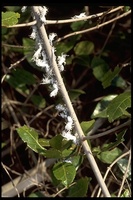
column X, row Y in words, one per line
column 50, row 54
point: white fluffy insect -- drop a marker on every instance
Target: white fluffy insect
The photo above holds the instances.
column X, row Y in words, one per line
column 34, row 32
column 37, row 54
column 79, row 16
column 61, row 60
column 69, row 136
column 69, row 124
column 55, row 91
column 43, row 11
column 51, row 37
column 23, row 9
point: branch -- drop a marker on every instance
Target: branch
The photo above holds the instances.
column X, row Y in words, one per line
column 67, row 20
column 50, row 54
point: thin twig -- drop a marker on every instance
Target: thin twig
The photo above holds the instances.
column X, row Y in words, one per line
column 125, row 174
column 93, row 28
column 89, row 137
column 109, row 168
column 87, row 150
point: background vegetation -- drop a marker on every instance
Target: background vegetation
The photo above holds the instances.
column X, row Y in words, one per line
column 98, row 69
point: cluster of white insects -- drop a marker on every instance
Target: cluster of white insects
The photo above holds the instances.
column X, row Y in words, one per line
column 41, row 60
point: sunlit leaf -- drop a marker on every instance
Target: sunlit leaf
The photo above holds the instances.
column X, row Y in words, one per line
column 126, row 193
column 118, row 105
column 109, row 156
column 10, row 18
column 30, row 136
column 80, row 188
column 65, row 172
column 44, row 142
column 99, row 110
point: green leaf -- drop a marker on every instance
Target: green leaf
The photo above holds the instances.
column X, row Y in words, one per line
column 99, row 67
column 66, row 144
column 122, row 164
column 67, row 45
column 80, row 188
column 84, row 48
column 10, row 18
column 109, row 76
column 30, row 136
column 29, row 46
column 38, row 101
column 119, row 140
column 118, row 81
column 83, row 60
column 118, row 105
column 75, row 93
column 100, row 109
column 126, row 193
column 36, row 195
column 19, row 78
column 66, row 153
column 109, row 156
column 87, row 125
column 56, row 142
column 76, row 160
column 65, row 172
column 75, row 26
column 44, row 142
column 53, row 153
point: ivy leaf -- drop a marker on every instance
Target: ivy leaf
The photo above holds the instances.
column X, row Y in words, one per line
column 30, row 136
column 80, row 188
column 10, row 18
column 65, row 172
column 118, row 105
